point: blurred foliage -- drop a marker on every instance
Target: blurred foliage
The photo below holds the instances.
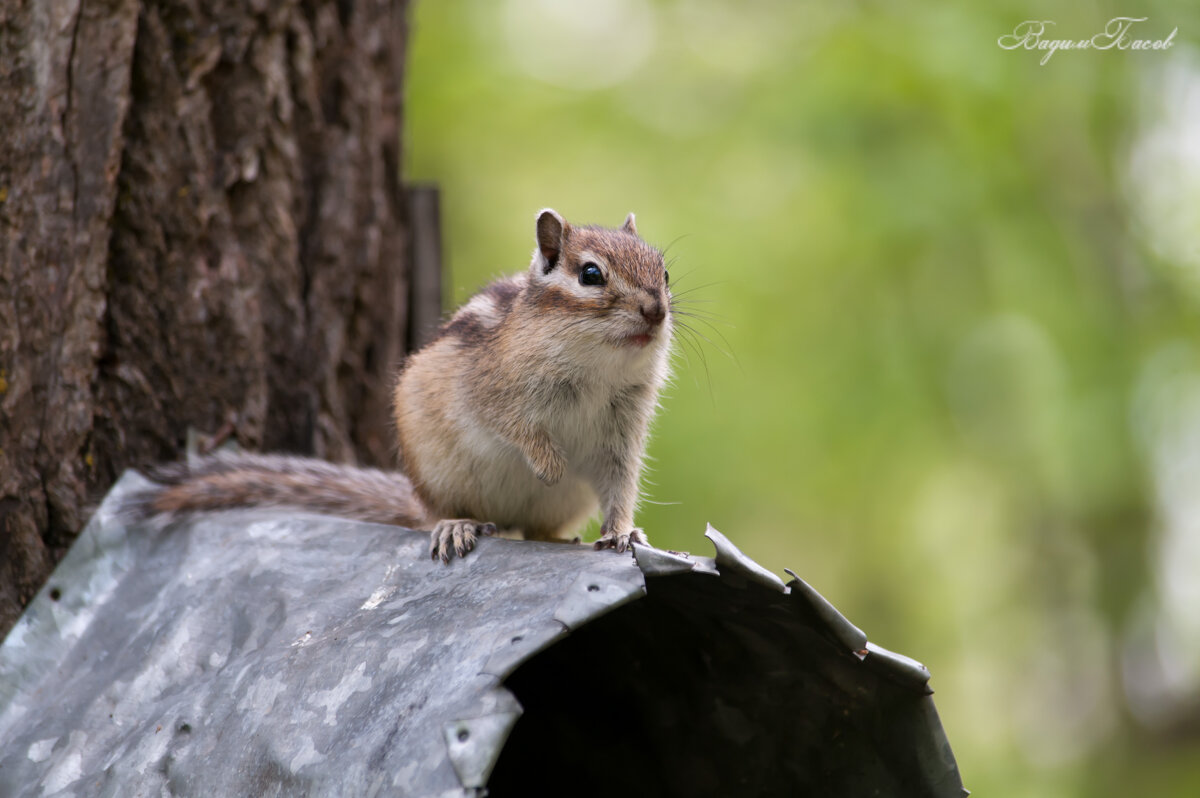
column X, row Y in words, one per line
column 933, row 297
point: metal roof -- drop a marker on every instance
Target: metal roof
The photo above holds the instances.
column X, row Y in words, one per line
column 264, row 653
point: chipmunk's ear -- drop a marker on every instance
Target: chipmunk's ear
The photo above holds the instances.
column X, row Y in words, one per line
column 629, row 226
column 552, row 232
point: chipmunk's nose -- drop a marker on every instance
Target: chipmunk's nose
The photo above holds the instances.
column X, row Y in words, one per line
column 653, row 310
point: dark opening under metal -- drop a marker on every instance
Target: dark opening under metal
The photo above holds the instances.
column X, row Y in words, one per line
column 693, row 691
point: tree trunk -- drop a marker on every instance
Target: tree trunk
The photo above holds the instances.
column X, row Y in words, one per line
column 203, row 230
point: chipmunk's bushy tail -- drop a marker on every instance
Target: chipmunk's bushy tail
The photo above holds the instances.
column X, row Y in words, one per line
column 230, row 481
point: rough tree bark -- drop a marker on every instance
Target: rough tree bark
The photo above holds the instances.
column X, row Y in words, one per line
column 202, row 229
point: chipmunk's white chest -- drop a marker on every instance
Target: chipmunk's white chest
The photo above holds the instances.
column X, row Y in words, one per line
column 580, row 423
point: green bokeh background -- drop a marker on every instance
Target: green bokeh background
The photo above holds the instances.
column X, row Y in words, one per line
column 950, row 367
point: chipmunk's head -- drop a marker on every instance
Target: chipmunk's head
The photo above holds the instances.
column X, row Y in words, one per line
column 607, row 283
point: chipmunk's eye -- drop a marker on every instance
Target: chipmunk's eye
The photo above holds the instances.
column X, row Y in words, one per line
column 590, row 274
column 666, row 277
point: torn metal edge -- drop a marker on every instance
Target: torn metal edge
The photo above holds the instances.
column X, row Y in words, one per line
column 905, row 670
column 511, row 650
column 594, row 594
column 731, row 558
column 847, row 634
column 657, row 562
column 473, row 745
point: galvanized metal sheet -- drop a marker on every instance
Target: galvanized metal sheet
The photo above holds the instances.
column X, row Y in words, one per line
column 307, row 654
column 261, row 653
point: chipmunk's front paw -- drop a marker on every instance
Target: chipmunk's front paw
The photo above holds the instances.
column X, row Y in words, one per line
column 550, row 469
column 621, row 541
column 456, row 535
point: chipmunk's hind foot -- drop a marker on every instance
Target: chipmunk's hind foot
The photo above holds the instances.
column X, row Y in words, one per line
column 457, row 536
column 621, row 541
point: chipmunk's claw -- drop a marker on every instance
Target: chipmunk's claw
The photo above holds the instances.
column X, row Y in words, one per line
column 622, row 541
column 456, row 535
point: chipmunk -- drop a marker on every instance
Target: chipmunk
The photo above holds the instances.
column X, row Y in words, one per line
column 530, row 407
